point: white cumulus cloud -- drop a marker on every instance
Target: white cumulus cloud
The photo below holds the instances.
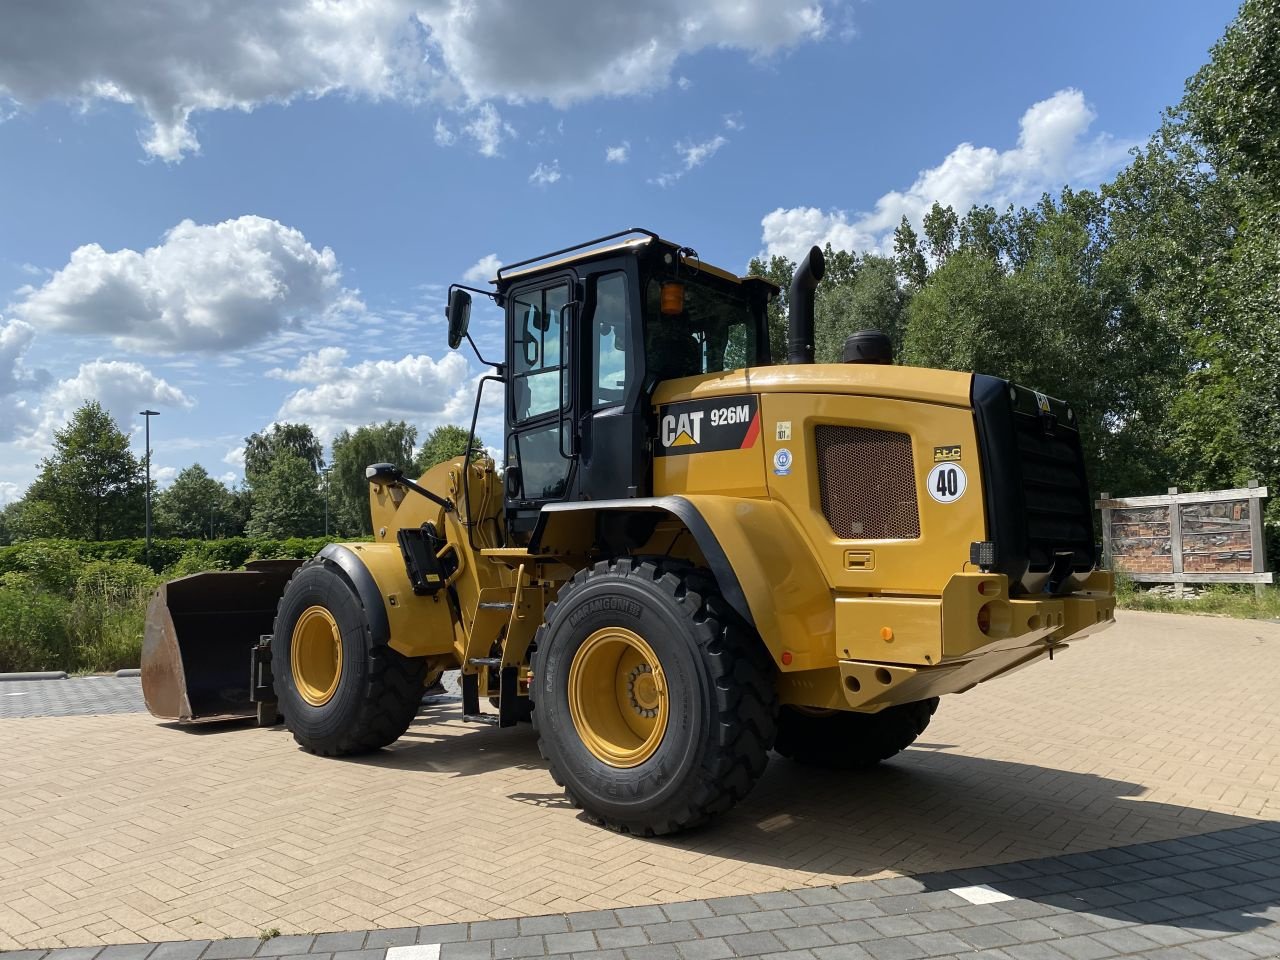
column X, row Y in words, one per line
column 416, row 388
column 544, row 175
column 483, row 270
column 1053, row 148
column 204, row 288
column 123, row 388
column 15, row 338
column 172, row 61
column 619, row 154
column 692, row 155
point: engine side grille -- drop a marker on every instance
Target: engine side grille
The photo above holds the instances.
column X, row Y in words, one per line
column 867, row 481
column 1058, row 508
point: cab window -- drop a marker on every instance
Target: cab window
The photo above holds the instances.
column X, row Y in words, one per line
column 716, row 330
column 610, row 341
column 537, row 351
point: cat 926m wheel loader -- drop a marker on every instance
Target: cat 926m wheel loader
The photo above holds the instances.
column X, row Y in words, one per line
column 692, row 555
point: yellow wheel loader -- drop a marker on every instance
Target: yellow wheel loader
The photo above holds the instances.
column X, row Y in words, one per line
column 692, row 555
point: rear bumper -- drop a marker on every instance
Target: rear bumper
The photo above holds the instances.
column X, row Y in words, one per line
column 897, row 650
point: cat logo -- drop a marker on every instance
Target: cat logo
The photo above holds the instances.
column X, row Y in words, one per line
column 707, row 426
column 683, row 430
column 1042, row 402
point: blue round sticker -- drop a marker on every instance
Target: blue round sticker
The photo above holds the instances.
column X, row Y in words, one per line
column 782, row 462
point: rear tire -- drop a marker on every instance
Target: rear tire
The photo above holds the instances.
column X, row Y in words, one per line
column 630, row 648
column 851, row 741
column 376, row 691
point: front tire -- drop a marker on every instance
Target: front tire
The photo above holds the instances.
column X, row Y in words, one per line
column 655, row 706
column 844, row 740
column 340, row 693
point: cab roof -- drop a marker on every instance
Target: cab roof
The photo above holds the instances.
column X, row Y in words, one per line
column 623, row 241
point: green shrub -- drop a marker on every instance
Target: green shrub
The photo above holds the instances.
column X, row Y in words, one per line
column 33, row 630
column 107, row 615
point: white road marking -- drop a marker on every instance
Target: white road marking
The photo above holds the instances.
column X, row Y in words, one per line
column 981, row 894
column 423, row 951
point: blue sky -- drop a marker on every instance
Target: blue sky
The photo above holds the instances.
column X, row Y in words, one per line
column 239, row 213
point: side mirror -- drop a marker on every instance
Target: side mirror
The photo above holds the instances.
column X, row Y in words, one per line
column 459, row 314
column 383, row 474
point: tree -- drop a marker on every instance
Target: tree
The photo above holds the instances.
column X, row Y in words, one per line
column 870, row 299
column 912, row 266
column 443, row 443
column 294, row 439
column 353, row 451
column 941, row 231
column 195, row 505
column 286, row 500
column 92, row 483
column 779, row 271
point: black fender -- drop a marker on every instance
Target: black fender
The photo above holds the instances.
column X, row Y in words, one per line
column 366, row 588
column 559, row 523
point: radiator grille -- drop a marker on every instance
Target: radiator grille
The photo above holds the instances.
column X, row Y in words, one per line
column 867, row 481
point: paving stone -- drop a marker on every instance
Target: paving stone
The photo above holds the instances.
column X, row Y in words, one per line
column 1253, row 943
column 493, row 929
column 464, row 950
column 725, row 906
column 362, row 955
column 1071, row 924
column 894, row 948
column 1034, row 951
column 1218, row 950
column 1125, row 940
column 691, row 910
column 1169, row 953
column 172, row 950
column 633, row 916
column 754, row 944
column 654, row 951
column 855, row 909
column 714, row 948
column 555, row 923
column 76, row 953
column 781, row 900
column 816, row 896
column 1083, row 948
column 33, row 954
column 393, row 937
column 720, row 926
column 669, row 932
column 531, row 946
column 232, row 947
column 985, row 937
column 330, row 942
column 570, row 942
column 444, row 932
column 851, row 931
column 902, row 926
column 285, row 945
column 800, row 938
column 599, row 955
column 937, row 944
column 592, row 920
column 938, row 920
column 773, row 919
column 842, row 951
column 128, row 951
column 620, row 937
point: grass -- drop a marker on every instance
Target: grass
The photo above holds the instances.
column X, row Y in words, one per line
column 268, row 934
column 1215, row 600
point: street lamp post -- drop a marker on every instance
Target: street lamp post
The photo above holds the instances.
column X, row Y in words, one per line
column 148, row 414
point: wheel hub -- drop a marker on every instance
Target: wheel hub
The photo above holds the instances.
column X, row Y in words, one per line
column 315, row 655
column 618, row 697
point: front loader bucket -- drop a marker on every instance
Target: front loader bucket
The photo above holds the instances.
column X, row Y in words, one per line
column 198, row 645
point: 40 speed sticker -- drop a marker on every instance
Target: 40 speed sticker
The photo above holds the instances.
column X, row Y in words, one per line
column 946, row 482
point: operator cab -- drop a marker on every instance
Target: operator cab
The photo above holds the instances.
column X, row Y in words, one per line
column 591, row 330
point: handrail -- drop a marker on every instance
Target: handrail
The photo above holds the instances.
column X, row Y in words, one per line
column 508, row 267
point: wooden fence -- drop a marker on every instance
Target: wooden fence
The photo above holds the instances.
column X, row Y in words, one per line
column 1214, row 536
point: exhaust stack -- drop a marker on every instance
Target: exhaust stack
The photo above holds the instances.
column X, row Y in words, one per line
column 800, row 321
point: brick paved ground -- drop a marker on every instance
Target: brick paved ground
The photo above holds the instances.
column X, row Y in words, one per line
column 77, row 696
column 118, row 829
column 1210, row 896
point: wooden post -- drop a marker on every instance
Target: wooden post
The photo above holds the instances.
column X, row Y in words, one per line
column 1258, row 537
column 1175, row 541
column 1106, row 533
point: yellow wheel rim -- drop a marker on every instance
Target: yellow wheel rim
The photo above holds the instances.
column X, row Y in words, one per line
column 315, row 655
column 618, row 697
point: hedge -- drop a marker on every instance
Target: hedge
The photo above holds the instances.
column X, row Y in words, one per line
column 166, row 555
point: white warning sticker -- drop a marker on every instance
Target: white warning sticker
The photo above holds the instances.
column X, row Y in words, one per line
column 947, row 482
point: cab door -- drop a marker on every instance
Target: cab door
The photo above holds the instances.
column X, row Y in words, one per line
column 539, row 457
